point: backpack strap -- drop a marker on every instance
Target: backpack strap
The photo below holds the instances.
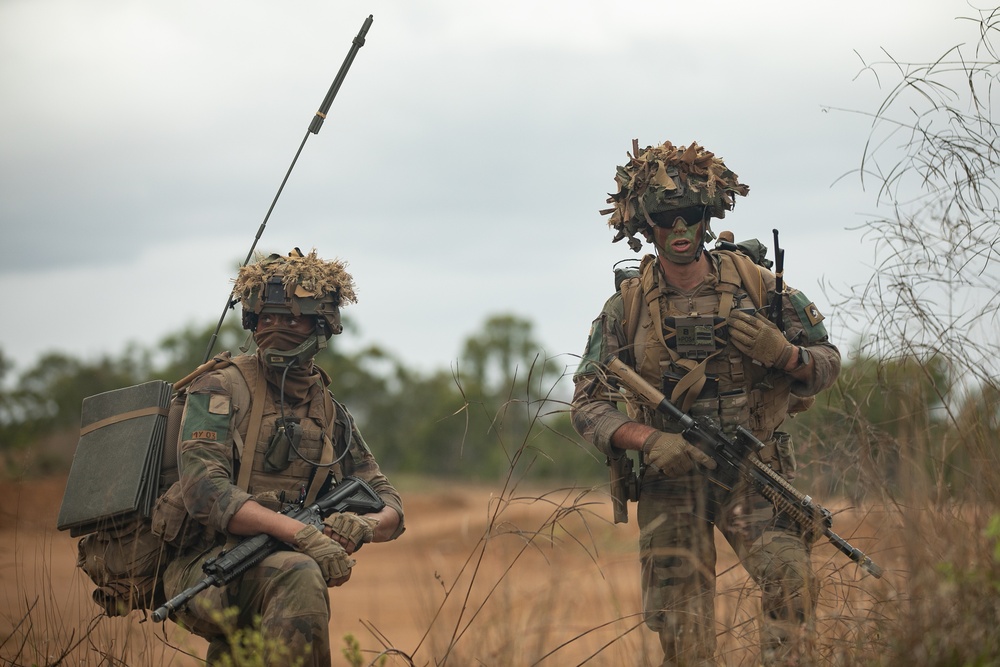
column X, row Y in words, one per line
column 631, row 290
column 252, row 377
column 747, row 275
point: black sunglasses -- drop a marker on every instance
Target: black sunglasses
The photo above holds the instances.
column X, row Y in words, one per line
column 692, row 215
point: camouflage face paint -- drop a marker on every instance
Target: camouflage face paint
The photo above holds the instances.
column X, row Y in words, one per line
column 681, row 243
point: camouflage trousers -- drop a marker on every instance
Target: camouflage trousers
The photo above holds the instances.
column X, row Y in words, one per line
column 676, row 519
column 286, row 591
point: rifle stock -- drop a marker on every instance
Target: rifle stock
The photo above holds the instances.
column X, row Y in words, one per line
column 732, row 455
column 351, row 495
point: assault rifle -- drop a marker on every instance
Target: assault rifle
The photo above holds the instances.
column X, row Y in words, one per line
column 732, row 457
column 351, row 495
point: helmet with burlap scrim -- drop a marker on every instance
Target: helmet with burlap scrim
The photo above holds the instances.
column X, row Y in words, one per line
column 664, row 178
column 298, row 285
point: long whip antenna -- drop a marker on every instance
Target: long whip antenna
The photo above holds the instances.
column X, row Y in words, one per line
column 314, row 128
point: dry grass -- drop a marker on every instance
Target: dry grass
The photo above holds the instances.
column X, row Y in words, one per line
column 522, row 578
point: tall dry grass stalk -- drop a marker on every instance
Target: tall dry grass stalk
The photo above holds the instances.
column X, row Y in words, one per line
column 48, row 618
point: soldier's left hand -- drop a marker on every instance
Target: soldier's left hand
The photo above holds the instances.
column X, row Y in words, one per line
column 759, row 339
column 349, row 530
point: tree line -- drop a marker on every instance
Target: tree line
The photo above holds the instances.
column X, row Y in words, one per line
column 501, row 406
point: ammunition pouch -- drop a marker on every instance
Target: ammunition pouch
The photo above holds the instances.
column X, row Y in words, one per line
column 624, row 485
column 779, row 455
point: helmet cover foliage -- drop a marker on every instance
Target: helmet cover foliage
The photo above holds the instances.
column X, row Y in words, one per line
column 664, row 178
column 297, row 284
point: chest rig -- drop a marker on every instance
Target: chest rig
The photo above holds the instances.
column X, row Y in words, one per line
column 680, row 343
column 284, row 455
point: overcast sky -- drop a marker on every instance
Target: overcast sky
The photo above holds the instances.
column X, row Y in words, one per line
column 460, row 171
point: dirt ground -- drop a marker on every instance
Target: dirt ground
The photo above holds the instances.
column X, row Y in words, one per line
column 480, row 577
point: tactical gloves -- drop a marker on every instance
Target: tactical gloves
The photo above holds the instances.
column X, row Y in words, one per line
column 673, row 455
column 759, row 339
column 353, row 528
column 332, row 559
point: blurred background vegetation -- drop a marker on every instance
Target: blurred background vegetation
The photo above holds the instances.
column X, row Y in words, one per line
column 469, row 420
column 909, row 432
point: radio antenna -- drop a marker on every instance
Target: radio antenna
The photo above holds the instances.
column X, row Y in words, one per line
column 314, row 128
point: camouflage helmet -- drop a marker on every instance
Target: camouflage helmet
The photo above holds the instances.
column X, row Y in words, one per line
column 297, row 284
column 665, row 178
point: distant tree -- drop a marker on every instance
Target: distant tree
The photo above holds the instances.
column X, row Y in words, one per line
column 515, row 417
column 180, row 352
column 448, row 422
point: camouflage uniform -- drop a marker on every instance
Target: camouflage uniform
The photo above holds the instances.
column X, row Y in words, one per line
column 676, row 515
column 287, row 590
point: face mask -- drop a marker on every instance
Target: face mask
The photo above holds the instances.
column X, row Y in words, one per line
column 279, row 339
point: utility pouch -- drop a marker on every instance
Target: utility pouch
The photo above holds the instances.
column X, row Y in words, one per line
column 786, row 454
column 171, row 521
column 695, row 337
column 624, row 485
column 281, row 450
column 126, row 562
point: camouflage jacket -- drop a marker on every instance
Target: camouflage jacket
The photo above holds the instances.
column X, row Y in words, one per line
column 212, row 450
column 765, row 393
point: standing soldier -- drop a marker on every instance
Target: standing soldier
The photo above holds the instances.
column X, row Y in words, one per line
column 693, row 324
column 257, row 436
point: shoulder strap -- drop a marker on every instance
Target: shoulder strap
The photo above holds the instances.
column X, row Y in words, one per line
column 738, row 269
column 252, row 377
column 631, row 290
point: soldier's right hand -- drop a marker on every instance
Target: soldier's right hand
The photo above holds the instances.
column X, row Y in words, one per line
column 673, row 455
column 350, row 530
column 333, row 560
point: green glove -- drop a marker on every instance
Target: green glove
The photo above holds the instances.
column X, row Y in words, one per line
column 759, row 339
column 332, row 559
column 353, row 528
column 673, row 455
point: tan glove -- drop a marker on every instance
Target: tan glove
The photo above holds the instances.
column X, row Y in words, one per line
column 350, row 530
column 332, row 559
column 673, row 455
column 759, row 339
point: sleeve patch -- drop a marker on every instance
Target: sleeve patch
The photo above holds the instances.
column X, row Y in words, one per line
column 206, row 417
column 594, row 353
column 812, row 319
column 218, row 404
